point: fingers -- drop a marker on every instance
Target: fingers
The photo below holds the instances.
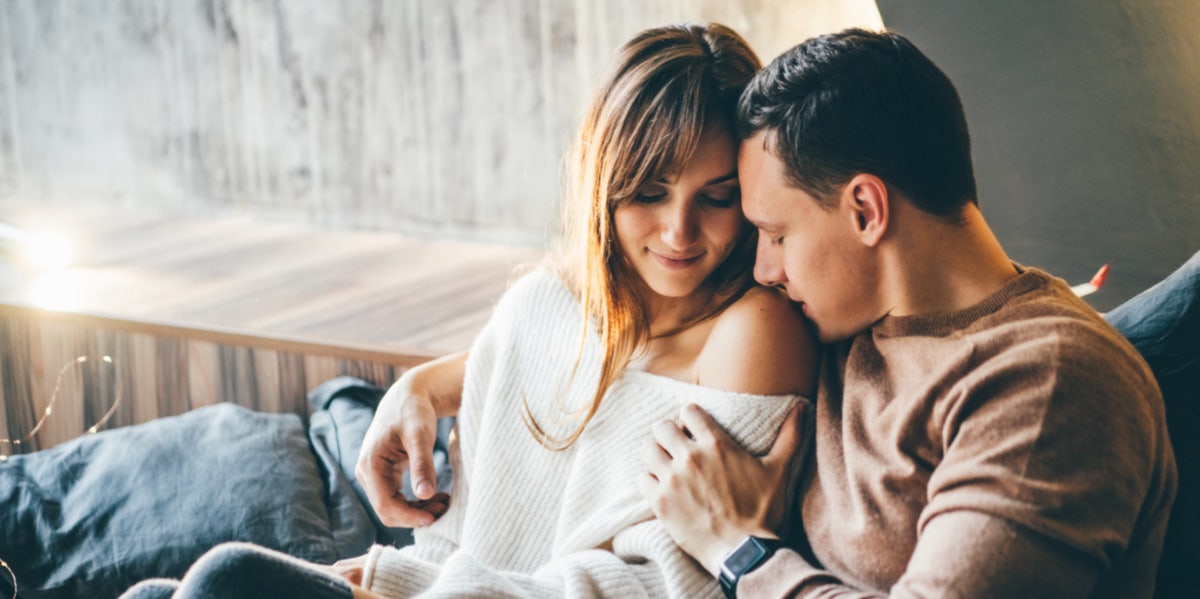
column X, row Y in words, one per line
column 435, row 506
column 390, row 504
column 401, row 436
column 670, row 437
column 656, row 459
column 400, row 512
column 700, row 425
column 647, row 485
column 696, row 432
column 419, row 440
column 349, row 569
column 788, row 440
column 379, row 468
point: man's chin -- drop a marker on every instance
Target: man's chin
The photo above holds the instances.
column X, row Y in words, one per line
column 826, row 334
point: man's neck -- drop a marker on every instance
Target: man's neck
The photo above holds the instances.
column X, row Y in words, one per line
column 935, row 266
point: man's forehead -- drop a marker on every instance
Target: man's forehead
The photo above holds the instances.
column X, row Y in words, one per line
column 756, row 147
column 757, row 208
column 758, row 179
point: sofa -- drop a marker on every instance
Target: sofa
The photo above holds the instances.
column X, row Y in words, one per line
column 91, row 517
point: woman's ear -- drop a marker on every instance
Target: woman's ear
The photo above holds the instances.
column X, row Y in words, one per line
column 867, row 196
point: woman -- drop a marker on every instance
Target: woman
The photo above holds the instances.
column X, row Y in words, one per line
column 651, row 304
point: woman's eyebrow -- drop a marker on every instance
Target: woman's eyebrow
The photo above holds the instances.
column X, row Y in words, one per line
column 722, row 178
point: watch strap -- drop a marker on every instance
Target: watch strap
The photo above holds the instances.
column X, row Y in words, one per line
column 750, row 554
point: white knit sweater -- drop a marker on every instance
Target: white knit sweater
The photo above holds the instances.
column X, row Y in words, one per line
column 525, row 521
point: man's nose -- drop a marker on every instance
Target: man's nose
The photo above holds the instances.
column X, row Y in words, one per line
column 768, row 269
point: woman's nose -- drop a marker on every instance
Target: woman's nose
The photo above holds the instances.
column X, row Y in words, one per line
column 680, row 227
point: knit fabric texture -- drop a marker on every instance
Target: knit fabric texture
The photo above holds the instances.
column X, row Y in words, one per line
column 1016, row 448
column 526, row 521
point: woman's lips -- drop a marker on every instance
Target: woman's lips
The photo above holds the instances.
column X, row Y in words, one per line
column 676, row 263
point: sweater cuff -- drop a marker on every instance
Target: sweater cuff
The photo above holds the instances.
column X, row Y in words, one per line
column 783, row 575
column 394, row 573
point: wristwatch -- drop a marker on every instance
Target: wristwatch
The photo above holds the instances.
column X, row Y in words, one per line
column 744, row 559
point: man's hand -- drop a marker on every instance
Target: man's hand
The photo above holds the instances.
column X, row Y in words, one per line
column 402, row 433
column 711, row 494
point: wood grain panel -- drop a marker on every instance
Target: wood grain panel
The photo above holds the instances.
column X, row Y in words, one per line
column 198, row 311
column 152, row 376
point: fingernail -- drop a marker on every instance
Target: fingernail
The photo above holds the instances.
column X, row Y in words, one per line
column 424, row 488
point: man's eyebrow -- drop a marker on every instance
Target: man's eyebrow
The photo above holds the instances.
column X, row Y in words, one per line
column 764, row 225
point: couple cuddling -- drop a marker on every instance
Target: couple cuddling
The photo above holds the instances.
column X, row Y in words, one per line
column 895, row 407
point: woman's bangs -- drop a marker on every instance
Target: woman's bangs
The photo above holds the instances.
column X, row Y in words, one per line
column 665, row 130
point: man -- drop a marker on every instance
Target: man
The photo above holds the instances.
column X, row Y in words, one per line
column 979, row 431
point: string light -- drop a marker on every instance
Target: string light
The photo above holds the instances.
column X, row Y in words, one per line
column 11, row 443
column 11, row 575
column 8, row 445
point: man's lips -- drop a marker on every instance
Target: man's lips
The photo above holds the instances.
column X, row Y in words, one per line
column 676, row 262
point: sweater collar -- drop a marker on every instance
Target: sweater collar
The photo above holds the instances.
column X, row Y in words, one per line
column 942, row 323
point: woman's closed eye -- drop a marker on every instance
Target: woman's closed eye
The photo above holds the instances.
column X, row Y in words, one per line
column 720, row 199
column 650, row 197
column 651, row 193
column 721, row 195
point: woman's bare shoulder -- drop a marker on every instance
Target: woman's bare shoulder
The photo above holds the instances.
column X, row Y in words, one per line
column 761, row 344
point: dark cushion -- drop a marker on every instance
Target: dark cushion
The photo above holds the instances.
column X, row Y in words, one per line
column 1163, row 323
column 93, row 516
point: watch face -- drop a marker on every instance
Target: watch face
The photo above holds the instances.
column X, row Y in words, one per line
column 746, row 555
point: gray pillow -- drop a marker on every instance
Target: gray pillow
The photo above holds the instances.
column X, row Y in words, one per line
column 93, row 516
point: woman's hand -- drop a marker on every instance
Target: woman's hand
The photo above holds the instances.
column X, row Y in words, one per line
column 402, row 434
column 351, row 570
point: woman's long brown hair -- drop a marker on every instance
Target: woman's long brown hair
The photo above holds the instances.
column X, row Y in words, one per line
column 648, row 116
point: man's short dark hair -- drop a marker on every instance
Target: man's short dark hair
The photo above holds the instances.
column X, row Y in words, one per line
column 863, row 102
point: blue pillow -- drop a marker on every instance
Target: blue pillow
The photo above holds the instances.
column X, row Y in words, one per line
column 1163, row 323
column 93, row 516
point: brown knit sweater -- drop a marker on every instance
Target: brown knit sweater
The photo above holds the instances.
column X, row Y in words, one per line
column 1017, row 448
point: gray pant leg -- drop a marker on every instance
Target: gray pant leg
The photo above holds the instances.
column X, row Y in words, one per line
column 245, row 571
column 157, row 588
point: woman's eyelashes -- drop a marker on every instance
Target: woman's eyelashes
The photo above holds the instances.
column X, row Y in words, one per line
column 723, row 199
column 717, row 198
column 651, row 197
column 722, row 195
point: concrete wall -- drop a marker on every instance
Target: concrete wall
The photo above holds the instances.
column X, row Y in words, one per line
column 423, row 116
column 1085, row 122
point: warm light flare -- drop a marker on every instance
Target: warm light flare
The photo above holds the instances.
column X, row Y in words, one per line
column 49, row 251
column 41, row 250
column 56, row 290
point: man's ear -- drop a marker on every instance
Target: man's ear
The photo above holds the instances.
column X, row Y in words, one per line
column 867, row 197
